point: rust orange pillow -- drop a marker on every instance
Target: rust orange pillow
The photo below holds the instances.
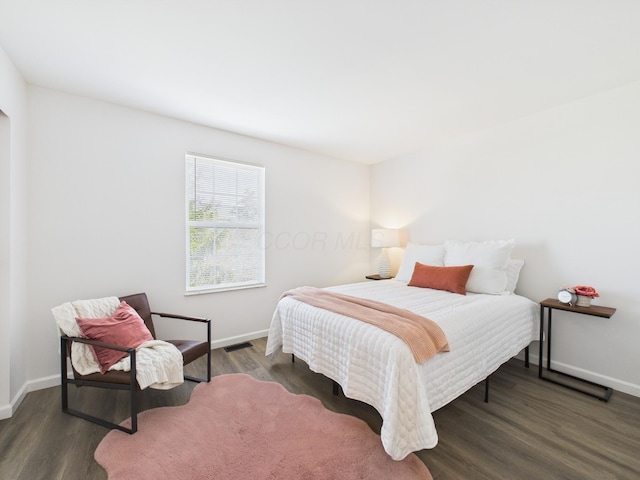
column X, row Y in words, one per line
column 124, row 328
column 451, row 279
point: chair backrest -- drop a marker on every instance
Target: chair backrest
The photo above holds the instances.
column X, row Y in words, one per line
column 140, row 303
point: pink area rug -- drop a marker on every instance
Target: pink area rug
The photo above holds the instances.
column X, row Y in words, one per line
column 239, row 428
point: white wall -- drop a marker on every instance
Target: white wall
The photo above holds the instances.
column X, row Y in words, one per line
column 106, row 217
column 13, row 368
column 564, row 184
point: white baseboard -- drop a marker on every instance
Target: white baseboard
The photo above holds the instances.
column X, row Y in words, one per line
column 225, row 342
column 7, row 411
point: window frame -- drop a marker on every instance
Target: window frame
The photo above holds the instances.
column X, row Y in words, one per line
column 257, row 226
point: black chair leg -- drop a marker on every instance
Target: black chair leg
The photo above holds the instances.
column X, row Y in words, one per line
column 134, row 394
column 209, row 352
column 64, row 387
column 208, row 379
column 209, row 362
column 200, row 380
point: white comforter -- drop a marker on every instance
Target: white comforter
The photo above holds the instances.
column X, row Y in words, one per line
column 376, row 367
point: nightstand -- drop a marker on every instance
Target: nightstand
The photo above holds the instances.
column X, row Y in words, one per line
column 549, row 305
column 376, row 277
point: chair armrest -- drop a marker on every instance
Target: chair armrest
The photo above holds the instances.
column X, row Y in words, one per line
column 65, row 347
column 182, row 317
column 207, row 321
column 95, row 343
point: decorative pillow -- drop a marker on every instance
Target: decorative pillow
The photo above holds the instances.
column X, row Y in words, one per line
column 425, row 254
column 489, row 260
column 452, row 279
column 124, row 328
column 513, row 274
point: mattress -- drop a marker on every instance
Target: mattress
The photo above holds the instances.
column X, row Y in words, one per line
column 376, row 367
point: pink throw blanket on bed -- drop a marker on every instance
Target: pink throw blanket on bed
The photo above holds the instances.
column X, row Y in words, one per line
column 424, row 337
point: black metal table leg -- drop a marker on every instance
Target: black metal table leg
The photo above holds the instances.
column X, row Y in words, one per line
column 607, row 391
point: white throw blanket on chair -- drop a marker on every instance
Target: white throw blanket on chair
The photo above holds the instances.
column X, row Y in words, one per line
column 158, row 363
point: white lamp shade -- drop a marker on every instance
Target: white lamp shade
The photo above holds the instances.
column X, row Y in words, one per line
column 385, row 237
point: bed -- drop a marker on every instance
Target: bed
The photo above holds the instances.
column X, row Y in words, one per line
column 376, row 367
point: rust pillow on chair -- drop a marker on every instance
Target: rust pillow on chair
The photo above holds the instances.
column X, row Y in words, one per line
column 451, row 279
column 124, row 328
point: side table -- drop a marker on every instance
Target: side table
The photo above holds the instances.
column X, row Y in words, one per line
column 595, row 310
column 376, row 277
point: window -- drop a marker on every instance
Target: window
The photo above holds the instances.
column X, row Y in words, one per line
column 225, row 224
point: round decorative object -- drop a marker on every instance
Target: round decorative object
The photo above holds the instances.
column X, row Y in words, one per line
column 583, row 301
column 567, row 296
column 586, row 291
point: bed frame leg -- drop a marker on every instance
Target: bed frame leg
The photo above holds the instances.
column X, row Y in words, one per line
column 526, row 356
column 293, row 358
column 486, row 390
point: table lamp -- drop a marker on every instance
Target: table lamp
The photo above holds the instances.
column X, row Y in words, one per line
column 385, row 238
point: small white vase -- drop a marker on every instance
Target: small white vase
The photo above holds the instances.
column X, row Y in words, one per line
column 583, row 301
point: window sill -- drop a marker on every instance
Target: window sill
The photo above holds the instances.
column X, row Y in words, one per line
column 223, row 289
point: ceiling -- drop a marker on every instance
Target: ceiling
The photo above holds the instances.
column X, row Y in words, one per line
column 361, row 80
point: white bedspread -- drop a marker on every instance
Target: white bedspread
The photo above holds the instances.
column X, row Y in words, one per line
column 376, row 367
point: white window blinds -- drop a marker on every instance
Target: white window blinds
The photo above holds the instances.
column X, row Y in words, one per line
column 225, row 224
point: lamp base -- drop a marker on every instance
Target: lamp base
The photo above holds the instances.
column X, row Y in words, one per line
column 384, row 267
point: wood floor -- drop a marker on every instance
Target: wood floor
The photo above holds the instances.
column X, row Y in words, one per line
column 530, row 429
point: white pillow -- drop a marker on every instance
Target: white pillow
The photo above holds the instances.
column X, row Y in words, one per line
column 489, row 260
column 513, row 274
column 425, row 254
